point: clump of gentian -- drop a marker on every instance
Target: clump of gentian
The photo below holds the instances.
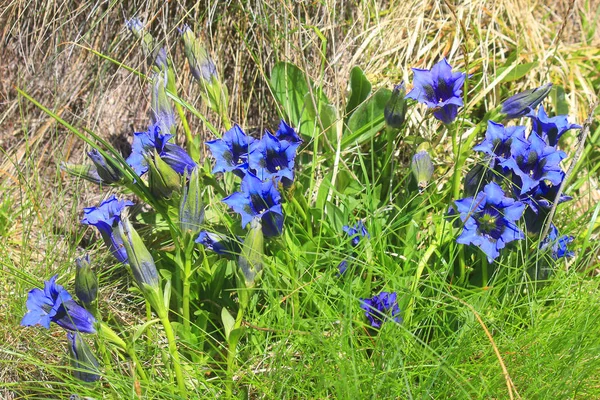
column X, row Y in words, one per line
column 395, row 109
column 439, row 89
column 550, row 129
column 191, row 207
column 287, row 133
column 499, row 140
column 489, row 220
column 258, row 200
column 422, row 167
column 381, row 308
column 219, row 243
column 271, row 158
column 105, row 169
column 84, row 363
column 146, row 143
column 86, row 281
column 356, row 232
column 539, row 201
column 55, row 304
column 106, row 218
column 525, row 102
column 533, row 161
column 557, row 244
column 231, row 151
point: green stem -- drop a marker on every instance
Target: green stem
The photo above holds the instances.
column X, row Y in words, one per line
column 187, row 272
column 231, row 353
column 138, row 366
column 484, row 272
column 413, row 289
column 387, row 176
column 164, row 319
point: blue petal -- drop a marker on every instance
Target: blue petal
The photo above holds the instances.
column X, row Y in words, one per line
column 177, row 158
column 75, row 318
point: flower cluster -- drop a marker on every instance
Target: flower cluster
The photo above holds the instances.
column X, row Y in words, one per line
column 262, row 164
column 529, row 167
column 380, row 308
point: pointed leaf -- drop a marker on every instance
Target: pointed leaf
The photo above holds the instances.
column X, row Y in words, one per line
column 360, row 89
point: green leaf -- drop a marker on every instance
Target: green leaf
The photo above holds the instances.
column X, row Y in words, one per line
column 360, row 89
column 368, row 118
column 228, row 322
column 327, row 114
column 289, row 87
column 557, row 94
column 138, row 332
column 518, row 72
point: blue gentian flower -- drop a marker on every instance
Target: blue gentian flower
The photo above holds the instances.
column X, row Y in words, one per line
column 260, row 200
column 380, row 308
column 219, row 243
column 287, row 133
column 558, row 244
column 523, row 103
column 84, row 363
column 440, row 89
column 105, row 169
column 356, row 232
column 395, row 109
column 539, row 202
column 533, row 162
column 489, row 220
column 550, row 129
column 270, row 158
column 499, row 140
column 231, row 152
column 55, row 304
column 106, row 218
column 146, row 143
column 342, row 267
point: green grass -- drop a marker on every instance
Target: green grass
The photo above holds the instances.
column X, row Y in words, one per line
column 304, row 334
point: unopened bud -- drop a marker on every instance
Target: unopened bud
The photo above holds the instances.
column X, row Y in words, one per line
column 84, row 363
column 476, row 179
column 251, row 258
column 154, row 54
column 105, row 168
column 191, row 208
column 86, row 282
column 395, row 109
column 86, row 171
column 162, row 179
column 201, row 65
column 162, row 110
column 422, row 167
column 522, row 103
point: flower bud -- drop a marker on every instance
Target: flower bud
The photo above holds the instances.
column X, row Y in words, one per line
column 191, row 208
column 162, row 179
column 141, row 262
column 201, row 65
column 162, row 111
column 86, row 282
column 476, row 179
column 87, row 172
column 154, row 54
column 84, row 363
column 250, row 259
column 422, row 167
column 105, row 168
column 522, row 103
column 219, row 243
column 395, row 109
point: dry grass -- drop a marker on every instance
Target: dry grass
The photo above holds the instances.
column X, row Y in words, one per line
column 43, row 52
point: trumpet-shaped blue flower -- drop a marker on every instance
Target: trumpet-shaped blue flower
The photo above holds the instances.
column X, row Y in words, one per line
column 271, row 157
column 380, row 308
column 260, row 200
column 219, row 243
column 558, row 244
column 440, row 89
column 55, row 304
column 356, row 232
column 106, row 218
column 534, row 162
column 287, row 133
column 231, row 152
column 489, row 220
column 144, row 145
column 539, row 202
column 523, row 103
column 550, row 129
column 499, row 140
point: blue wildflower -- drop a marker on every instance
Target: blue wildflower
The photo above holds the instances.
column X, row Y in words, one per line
column 395, row 109
column 287, row 133
column 106, row 218
column 219, row 243
column 231, row 152
column 440, row 89
column 146, row 143
column 550, row 129
column 259, row 200
column 499, row 140
column 342, row 267
column 270, row 158
column 533, row 162
column 557, row 244
column 489, row 220
column 55, row 304
column 356, row 232
column 84, row 363
column 523, row 103
column 539, row 202
column 380, row 308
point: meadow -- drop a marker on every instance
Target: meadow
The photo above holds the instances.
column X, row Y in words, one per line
column 299, row 199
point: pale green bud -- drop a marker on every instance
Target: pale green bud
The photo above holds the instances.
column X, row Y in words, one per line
column 191, row 208
column 86, row 282
column 422, row 167
column 162, row 179
column 251, row 257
